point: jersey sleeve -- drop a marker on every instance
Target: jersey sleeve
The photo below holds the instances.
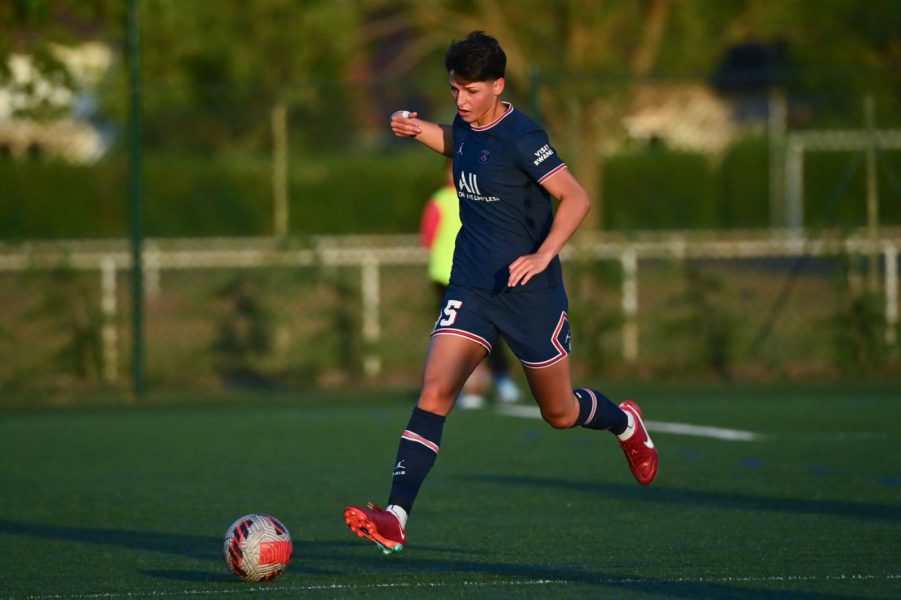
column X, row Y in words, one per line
column 536, row 156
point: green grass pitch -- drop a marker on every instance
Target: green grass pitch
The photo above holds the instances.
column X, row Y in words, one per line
column 119, row 501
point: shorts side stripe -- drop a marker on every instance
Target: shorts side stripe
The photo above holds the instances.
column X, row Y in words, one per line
column 543, row 364
column 561, row 351
column 464, row 334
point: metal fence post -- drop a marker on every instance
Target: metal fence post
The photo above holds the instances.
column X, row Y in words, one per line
column 891, row 293
column 778, row 116
column 151, row 270
column 369, row 273
column 629, row 261
column 794, row 187
column 135, row 191
column 108, row 306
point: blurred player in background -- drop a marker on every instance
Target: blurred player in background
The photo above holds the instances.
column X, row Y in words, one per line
column 438, row 232
column 506, row 281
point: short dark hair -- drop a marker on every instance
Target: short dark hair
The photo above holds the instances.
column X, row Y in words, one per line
column 477, row 58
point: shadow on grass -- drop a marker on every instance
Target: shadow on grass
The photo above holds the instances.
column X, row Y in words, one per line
column 190, row 546
column 343, row 558
column 198, row 547
column 355, row 543
column 698, row 498
column 479, row 576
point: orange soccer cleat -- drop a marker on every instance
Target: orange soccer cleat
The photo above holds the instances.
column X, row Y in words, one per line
column 377, row 525
column 639, row 449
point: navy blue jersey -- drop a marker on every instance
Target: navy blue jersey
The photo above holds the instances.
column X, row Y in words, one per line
column 504, row 211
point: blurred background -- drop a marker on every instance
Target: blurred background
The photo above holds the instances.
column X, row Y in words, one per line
column 744, row 159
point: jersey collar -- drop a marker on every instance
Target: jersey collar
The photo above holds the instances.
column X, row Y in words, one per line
column 506, row 112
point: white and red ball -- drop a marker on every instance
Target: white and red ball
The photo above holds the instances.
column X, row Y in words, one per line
column 257, row 547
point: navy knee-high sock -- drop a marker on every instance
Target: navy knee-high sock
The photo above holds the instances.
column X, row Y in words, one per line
column 416, row 454
column 596, row 411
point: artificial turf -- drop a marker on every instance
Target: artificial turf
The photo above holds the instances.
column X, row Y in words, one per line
column 132, row 501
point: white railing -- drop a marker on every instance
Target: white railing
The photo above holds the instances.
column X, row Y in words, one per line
column 370, row 253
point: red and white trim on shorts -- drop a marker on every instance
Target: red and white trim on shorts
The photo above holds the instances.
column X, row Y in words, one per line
column 561, row 351
column 464, row 334
column 415, row 437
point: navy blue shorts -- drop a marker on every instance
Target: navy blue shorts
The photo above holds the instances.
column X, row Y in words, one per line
column 533, row 322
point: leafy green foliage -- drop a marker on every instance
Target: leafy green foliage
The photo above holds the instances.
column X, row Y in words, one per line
column 70, row 308
column 701, row 318
column 196, row 197
column 593, row 290
column 858, row 325
column 244, row 332
column 36, row 28
column 656, row 188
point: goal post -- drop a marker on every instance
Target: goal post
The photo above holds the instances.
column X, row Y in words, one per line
column 832, row 140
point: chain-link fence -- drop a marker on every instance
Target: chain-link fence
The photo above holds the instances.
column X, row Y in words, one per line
column 358, row 310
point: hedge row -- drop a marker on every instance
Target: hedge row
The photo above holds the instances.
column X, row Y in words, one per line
column 648, row 189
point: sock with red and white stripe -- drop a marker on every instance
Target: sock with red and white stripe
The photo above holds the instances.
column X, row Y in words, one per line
column 596, row 411
column 416, row 454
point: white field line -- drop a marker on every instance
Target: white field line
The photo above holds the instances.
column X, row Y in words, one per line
column 720, row 433
column 620, row 581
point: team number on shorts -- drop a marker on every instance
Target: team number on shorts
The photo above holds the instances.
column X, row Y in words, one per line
column 450, row 312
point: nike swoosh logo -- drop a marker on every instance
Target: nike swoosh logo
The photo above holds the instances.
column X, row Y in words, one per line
column 648, row 444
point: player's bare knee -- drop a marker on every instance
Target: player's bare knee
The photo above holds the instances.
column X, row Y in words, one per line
column 558, row 419
column 436, row 397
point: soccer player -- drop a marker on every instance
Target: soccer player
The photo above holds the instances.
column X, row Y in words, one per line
column 438, row 232
column 506, row 281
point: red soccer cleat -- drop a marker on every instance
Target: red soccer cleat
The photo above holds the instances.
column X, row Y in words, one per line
column 378, row 525
column 639, row 449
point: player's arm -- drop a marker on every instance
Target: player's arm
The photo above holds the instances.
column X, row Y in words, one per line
column 574, row 205
column 437, row 137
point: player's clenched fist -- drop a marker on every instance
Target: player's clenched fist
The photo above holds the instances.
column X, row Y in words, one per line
column 404, row 123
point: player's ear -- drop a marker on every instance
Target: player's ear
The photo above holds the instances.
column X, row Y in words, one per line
column 497, row 88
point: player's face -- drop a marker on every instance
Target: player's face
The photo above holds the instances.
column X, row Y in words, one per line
column 478, row 102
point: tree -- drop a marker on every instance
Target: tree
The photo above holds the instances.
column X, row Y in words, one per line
column 585, row 60
column 39, row 28
column 578, row 41
column 220, row 67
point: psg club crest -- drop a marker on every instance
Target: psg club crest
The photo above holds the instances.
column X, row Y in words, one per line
column 484, row 155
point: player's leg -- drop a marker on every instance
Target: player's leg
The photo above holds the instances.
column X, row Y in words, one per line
column 459, row 343
column 542, row 342
column 539, row 334
column 472, row 394
column 450, row 361
column 561, row 406
column 551, row 387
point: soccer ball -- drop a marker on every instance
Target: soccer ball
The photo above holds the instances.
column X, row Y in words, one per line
column 257, row 547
